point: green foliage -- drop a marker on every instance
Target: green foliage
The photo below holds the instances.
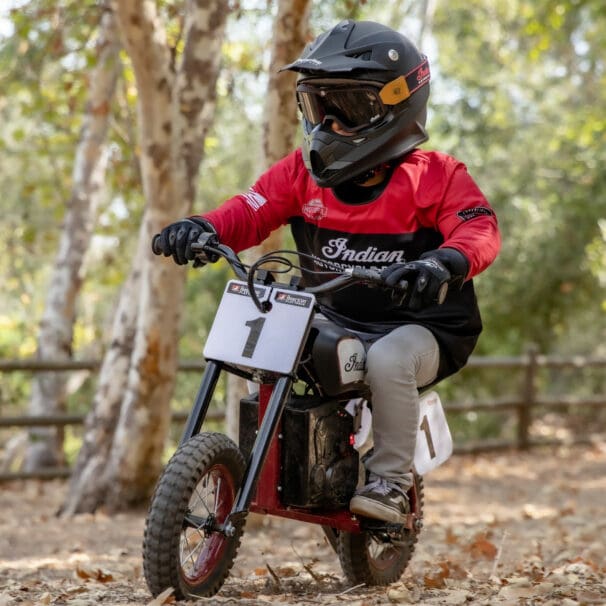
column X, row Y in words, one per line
column 518, row 95
column 44, row 70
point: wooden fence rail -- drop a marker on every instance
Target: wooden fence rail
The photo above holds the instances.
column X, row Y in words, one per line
column 521, row 403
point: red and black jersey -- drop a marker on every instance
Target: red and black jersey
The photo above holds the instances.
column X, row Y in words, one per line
column 429, row 202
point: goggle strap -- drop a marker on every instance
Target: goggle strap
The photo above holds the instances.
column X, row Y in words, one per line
column 402, row 87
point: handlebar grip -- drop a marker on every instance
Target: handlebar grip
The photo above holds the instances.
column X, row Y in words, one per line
column 156, row 249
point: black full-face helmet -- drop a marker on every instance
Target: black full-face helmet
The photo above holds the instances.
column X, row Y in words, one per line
column 374, row 84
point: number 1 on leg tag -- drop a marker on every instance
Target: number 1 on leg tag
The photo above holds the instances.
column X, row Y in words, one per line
column 434, row 442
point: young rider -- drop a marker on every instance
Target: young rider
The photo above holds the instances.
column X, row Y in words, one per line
column 360, row 192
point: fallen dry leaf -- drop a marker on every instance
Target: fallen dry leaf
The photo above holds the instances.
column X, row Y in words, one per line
column 166, row 597
column 472, row 503
column 447, row 570
column 399, row 595
column 481, row 547
column 533, row 511
column 451, row 538
column 516, row 592
column 455, row 597
column 95, row 574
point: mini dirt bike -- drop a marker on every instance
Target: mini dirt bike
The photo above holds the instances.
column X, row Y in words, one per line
column 301, row 437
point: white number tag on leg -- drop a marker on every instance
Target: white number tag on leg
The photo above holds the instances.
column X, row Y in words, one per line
column 243, row 335
column 434, row 442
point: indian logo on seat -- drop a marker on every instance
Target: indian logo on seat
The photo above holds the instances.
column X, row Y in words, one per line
column 352, row 360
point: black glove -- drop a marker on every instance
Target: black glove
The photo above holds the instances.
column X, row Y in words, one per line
column 176, row 239
column 428, row 278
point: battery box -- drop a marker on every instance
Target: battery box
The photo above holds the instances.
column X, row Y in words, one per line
column 319, row 466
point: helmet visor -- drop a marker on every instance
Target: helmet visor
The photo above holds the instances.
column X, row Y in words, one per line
column 354, row 105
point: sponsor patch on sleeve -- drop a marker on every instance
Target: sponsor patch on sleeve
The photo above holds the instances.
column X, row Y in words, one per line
column 472, row 213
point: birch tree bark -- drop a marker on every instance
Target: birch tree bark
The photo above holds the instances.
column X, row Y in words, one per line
column 126, row 432
column 280, row 123
column 57, row 325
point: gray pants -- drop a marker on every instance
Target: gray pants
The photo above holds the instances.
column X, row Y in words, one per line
column 397, row 364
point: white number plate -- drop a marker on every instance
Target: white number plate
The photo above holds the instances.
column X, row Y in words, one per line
column 271, row 341
column 434, row 442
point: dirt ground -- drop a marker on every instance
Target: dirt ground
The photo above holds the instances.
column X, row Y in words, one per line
column 512, row 528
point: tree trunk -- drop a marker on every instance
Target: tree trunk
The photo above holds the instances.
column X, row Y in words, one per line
column 175, row 108
column 426, row 11
column 56, row 327
column 86, row 489
column 290, row 33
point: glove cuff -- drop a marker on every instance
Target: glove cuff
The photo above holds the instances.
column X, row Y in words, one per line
column 206, row 225
column 454, row 261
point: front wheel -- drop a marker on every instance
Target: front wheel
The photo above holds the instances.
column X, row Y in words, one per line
column 376, row 556
column 183, row 545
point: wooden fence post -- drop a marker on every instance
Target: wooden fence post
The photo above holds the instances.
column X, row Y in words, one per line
column 528, row 399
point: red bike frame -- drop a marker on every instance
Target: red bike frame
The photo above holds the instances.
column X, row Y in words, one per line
column 266, row 499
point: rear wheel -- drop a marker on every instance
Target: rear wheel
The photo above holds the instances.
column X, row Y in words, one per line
column 380, row 553
column 183, row 546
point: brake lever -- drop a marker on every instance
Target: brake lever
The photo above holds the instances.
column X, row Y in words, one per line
column 200, row 247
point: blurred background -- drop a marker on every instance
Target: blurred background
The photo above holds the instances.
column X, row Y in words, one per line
column 119, row 117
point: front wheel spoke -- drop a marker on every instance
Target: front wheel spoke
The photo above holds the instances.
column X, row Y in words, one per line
column 217, row 494
column 192, row 551
column 206, row 495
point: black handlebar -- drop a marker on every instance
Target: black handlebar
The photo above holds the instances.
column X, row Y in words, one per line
column 348, row 276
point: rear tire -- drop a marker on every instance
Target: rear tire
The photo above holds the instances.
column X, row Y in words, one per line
column 181, row 548
column 332, row 536
column 369, row 557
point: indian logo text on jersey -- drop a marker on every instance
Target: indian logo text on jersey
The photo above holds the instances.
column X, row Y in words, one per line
column 338, row 249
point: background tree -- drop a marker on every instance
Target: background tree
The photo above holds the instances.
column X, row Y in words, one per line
column 126, row 431
column 55, row 339
column 280, row 123
column 525, row 119
column 54, row 72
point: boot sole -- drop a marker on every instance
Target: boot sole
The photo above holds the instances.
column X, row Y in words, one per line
column 370, row 508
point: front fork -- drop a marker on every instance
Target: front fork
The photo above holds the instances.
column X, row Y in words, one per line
column 202, row 402
column 260, row 450
column 267, row 429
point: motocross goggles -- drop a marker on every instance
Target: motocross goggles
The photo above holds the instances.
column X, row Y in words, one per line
column 356, row 104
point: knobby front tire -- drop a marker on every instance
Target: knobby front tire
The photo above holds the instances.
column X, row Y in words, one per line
column 195, row 494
